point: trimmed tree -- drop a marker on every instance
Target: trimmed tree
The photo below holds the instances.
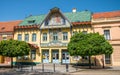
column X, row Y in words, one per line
column 13, row 48
column 88, row 44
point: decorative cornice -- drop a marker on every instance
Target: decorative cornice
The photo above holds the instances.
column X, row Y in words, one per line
column 114, row 40
column 104, row 22
column 81, row 23
column 26, row 27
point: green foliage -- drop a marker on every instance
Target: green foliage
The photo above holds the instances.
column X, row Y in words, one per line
column 13, row 48
column 88, row 45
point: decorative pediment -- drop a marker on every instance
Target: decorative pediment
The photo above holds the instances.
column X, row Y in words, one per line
column 55, row 19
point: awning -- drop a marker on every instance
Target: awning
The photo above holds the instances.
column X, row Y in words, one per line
column 33, row 45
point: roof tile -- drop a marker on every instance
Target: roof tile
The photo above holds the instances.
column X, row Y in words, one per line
column 82, row 16
column 106, row 14
column 8, row 26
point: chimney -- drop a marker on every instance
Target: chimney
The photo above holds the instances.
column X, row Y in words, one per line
column 74, row 10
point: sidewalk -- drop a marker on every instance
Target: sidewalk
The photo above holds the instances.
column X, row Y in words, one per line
column 59, row 70
column 64, row 68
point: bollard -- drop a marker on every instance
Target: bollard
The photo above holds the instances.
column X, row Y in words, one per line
column 67, row 66
column 32, row 67
column 21, row 67
column 42, row 67
column 18, row 66
column 54, row 67
column 76, row 67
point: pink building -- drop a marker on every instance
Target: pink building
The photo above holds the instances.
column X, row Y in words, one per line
column 108, row 24
column 7, row 32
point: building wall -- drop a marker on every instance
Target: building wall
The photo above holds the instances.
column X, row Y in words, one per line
column 5, row 36
column 112, row 24
column 47, row 49
column 81, row 28
column 37, row 42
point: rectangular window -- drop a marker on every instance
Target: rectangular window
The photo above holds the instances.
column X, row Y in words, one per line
column 84, row 32
column 19, row 58
column 34, row 37
column 107, row 34
column 65, row 36
column 44, row 36
column 55, row 36
column 74, row 32
column 107, row 59
column 20, row 37
column 26, row 37
column 33, row 54
column 31, row 21
column 46, row 23
column 4, row 38
column 63, row 21
column 25, row 57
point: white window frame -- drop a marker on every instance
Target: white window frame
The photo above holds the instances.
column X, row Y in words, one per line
column 26, row 37
column 44, row 36
column 55, row 36
column 34, row 37
column 65, row 36
column 107, row 34
column 20, row 37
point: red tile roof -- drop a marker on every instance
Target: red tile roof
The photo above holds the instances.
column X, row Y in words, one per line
column 106, row 14
column 8, row 26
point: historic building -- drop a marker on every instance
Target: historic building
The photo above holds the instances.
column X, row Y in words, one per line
column 51, row 33
column 48, row 36
column 108, row 24
column 7, row 32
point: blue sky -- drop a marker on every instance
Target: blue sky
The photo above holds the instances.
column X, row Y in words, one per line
column 19, row 9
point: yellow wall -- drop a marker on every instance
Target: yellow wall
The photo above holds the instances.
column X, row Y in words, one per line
column 39, row 40
column 1, row 59
column 80, row 28
column 62, row 30
column 29, row 31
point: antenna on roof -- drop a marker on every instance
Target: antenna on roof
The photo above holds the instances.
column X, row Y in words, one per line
column 28, row 16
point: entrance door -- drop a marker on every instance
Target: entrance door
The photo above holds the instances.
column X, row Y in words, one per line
column 55, row 56
column 65, row 57
column 45, row 56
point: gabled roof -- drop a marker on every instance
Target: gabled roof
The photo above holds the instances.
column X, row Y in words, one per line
column 83, row 16
column 106, row 14
column 8, row 26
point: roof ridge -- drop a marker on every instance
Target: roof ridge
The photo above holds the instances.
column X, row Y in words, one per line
column 107, row 12
column 62, row 12
column 11, row 21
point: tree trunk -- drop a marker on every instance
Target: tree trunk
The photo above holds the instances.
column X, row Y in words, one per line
column 103, row 61
column 11, row 62
column 90, row 62
column 95, row 61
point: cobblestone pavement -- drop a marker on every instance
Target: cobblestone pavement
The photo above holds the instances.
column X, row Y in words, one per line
column 82, row 72
column 59, row 70
column 97, row 72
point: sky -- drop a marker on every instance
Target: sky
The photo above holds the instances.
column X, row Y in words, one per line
column 19, row 9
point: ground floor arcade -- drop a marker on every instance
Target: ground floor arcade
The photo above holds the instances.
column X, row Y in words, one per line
column 55, row 55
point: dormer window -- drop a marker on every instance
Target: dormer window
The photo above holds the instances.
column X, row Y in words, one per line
column 2, row 28
column 46, row 22
column 63, row 21
column 31, row 21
